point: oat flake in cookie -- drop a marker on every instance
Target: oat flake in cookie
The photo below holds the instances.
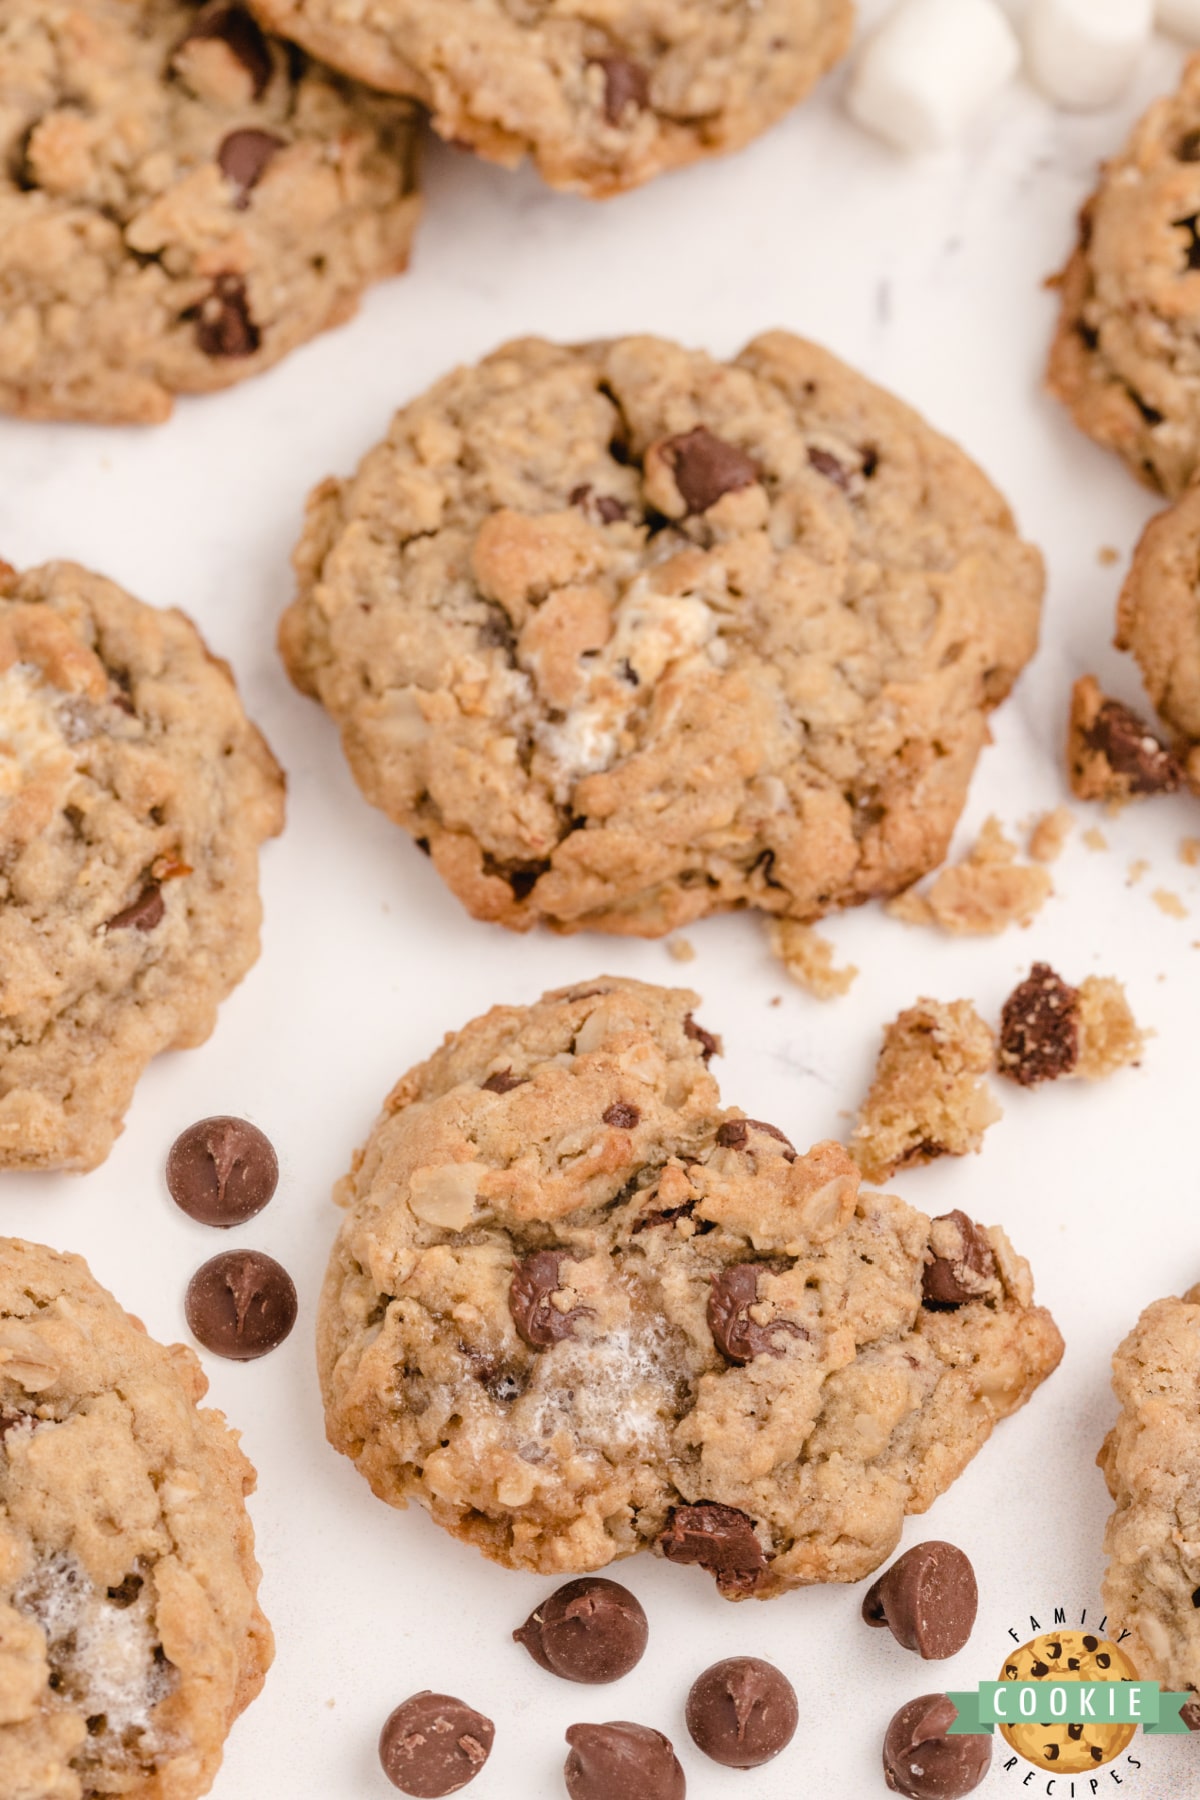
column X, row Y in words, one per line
column 876, row 1348
column 601, row 96
column 624, row 635
column 131, row 1630
column 1125, row 358
column 134, row 795
column 183, row 200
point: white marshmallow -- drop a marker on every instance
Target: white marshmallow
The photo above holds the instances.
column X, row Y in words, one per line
column 924, row 75
column 1083, row 53
column 1182, row 17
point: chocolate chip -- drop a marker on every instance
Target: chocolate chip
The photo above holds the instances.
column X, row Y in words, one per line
column 710, row 1046
column 705, row 467
column 243, row 158
column 622, row 1115
column 222, row 1171
column 239, row 32
column 1189, row 1712
column 1188, row 148
column 966, row 1271
column 737, row 1336
column 241, row 1304
column 224, row 327
column 720, row 1538
column 734, row 1134
column 145, row 913
column 928, row 1599
column 607, row 508
column 126, row 1591
column 920, row 1761
column 14, row 1421
column 620, row 1761
column 433, row 1745
column 590, row 1630
column 503, row 1082
column 827, row 465
column 537, row 1319
column 1131, row 750
column 626, row 83
column 742, row 1712
column 1039, row 1029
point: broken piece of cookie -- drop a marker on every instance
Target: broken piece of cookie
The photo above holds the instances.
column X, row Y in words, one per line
column 1049, row 1029
column 809, row 959
column 929, row 1097
column 982, row 895
column 1112, row 754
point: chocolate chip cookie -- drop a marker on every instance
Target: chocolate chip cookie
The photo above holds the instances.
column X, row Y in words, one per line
column 577, row 1309
column 601, row 97
column 130, row 1628
column 1158, row 620
column 624, row 635
column 183, row 200
column 134, row 795
column 1125, row 358
column 1151, row 1462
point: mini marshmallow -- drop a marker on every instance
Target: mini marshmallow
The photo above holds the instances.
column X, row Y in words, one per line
column 1083, row 53
column 931, row 66
column 1181, row 17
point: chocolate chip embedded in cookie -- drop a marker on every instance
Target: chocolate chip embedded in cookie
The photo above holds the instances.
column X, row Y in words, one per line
column 601, row 99
column 1131, row 299
column 1111, row 753
column 183, row 200
column 128, row 1586
column 571, row 1338
column 1158, row 619
column 134, row 796
column 624, row 716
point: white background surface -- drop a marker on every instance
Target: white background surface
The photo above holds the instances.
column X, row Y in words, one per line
column 927, row 275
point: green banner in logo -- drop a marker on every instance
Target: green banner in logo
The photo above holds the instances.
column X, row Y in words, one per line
column 1069, row 1703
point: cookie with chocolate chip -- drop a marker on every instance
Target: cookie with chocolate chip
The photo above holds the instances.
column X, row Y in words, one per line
column 601, row 98
column 134, row 796
column 623, row 635
column 571, row 1339
column 1124, row 352
column 1151, row 1462
column 183, row 200
column 129, row 1615
column 1158, row 621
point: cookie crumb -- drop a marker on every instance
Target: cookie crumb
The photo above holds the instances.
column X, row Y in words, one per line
column 808, row 959
column 1107, row 555
column 1050, row 834
column 1189, row 851
column 1137, row 869
column 1095, row 839
column 1169, row 903
column 929, row 1097
column 1109, row 1035
column 681, row 949
column 982, row 895
column 1112, row 754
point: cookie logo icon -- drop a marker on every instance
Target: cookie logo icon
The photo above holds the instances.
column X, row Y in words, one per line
column 1066, row 1656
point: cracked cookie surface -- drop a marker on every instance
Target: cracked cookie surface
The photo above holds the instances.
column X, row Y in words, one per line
column 130, row 1632
column 601, row 96
column 624, row 635
column 183, row 200
column 1126, row 355
column 578, row 1309
column 134, row 795
column 1151, row 1462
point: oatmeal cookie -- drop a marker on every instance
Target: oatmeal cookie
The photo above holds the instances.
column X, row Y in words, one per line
column 602, row 97
column 624, row 635
column 578, row 1309
column 134, row 795
column 1126, row 355
column 1158, row 621
column 130, row 1632
column 183, row 200
column 1151, row 1462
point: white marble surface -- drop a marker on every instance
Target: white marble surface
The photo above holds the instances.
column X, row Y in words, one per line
column 928, row 275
